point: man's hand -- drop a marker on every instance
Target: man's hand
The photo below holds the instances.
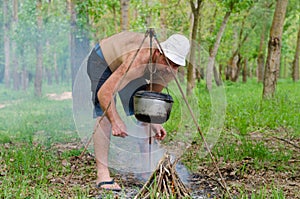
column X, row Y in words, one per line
column 119, row 129
column 160, row 132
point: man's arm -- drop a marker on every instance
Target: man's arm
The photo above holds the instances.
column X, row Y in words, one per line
column 158, row 85
column 158, row 129
column 114, row 83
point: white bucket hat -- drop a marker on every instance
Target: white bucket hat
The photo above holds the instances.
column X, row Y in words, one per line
column 176, row 48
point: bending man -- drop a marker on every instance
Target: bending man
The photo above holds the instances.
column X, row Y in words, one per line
column 107, row 68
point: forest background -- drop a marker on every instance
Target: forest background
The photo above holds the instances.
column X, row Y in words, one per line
column 47, row 40
column 43, row 43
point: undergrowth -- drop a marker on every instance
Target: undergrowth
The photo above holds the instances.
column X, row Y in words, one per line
column 31, row 125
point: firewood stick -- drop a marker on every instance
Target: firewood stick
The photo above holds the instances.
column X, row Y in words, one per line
column 148, row 183
column 167, row 171
column 146, row 196
column 166, row 189
column 164, row 182
column 159, row 180
column 176, row 182
column 151, row 178
column 168, row 183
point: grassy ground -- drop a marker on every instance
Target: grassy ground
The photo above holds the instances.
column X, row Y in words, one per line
column 257, row 152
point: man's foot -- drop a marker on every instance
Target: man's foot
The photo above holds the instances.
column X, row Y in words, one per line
column 109, row 185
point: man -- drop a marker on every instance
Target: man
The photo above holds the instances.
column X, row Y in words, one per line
column 114, row 65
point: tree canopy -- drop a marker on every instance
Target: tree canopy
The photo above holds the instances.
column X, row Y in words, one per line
column 244, row 39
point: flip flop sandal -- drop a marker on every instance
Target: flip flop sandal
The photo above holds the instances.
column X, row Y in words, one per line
column 99, row 186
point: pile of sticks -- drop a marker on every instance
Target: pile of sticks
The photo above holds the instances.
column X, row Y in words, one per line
column 164, row 182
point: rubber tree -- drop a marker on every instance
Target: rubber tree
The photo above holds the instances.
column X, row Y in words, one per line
column 190, row 69
column 274, row 49
column 26, row 35
column 39, row 51
column 6, row 29
column 261, row 55
column 214, row 50
column 124, row 14
column 16, row 74
column 79, row 43
column 262, row 46
column 295, row 69
column 234, row 63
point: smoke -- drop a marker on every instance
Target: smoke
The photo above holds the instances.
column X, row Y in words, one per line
column 133, row 154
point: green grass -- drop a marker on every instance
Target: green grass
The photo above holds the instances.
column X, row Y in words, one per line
column 262, row 193
column 247, row 111
column 25, row 118
column 26, row 168
column 31, row 125
column 261, row 155
column 247, row 114
column 28, row 127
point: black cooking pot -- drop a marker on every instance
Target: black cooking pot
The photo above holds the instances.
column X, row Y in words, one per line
column 152, row 107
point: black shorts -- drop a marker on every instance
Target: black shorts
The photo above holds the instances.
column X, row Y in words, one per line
column 98, row 72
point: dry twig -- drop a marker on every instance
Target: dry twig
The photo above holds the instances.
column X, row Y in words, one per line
column 164, row 181
column 287, row 141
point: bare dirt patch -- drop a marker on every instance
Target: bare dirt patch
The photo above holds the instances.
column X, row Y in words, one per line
column 59, row 97
column 2, row 106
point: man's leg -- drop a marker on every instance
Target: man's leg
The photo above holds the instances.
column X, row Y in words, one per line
column 101, row 145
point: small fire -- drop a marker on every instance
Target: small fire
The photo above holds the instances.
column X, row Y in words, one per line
column 164, row 182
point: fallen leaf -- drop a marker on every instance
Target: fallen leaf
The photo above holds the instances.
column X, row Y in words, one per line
column 65, row 163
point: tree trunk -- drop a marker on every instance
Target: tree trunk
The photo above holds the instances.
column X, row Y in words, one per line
column 24, row 74
column 6, row 28
column 72, row 36
column 191, row 64
column 220, row 70
column 16, row 74
column 216, row 76
column 78, row 42
column 227, row 72
column 274, row 49
column 124, row 14
column 181, row 74
column 212, row 20
column 261, row 55
column 55, row 68
column 213, row 52
column 245, row 68
column 251, row 69
column 199, row 67
column 117, row 28
column 233, row 67
column 163, row 19
column 24, row 78
column 295, row 71
column 39, row 52
column 236, row 70
column 49, row 76
column 149, row 14
column 261, row 52
column 233, row 61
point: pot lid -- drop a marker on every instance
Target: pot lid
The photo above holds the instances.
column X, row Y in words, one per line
column 154, row 95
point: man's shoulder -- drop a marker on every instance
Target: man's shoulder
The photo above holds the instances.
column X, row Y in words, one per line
column 126, row 34
column 130, row 40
